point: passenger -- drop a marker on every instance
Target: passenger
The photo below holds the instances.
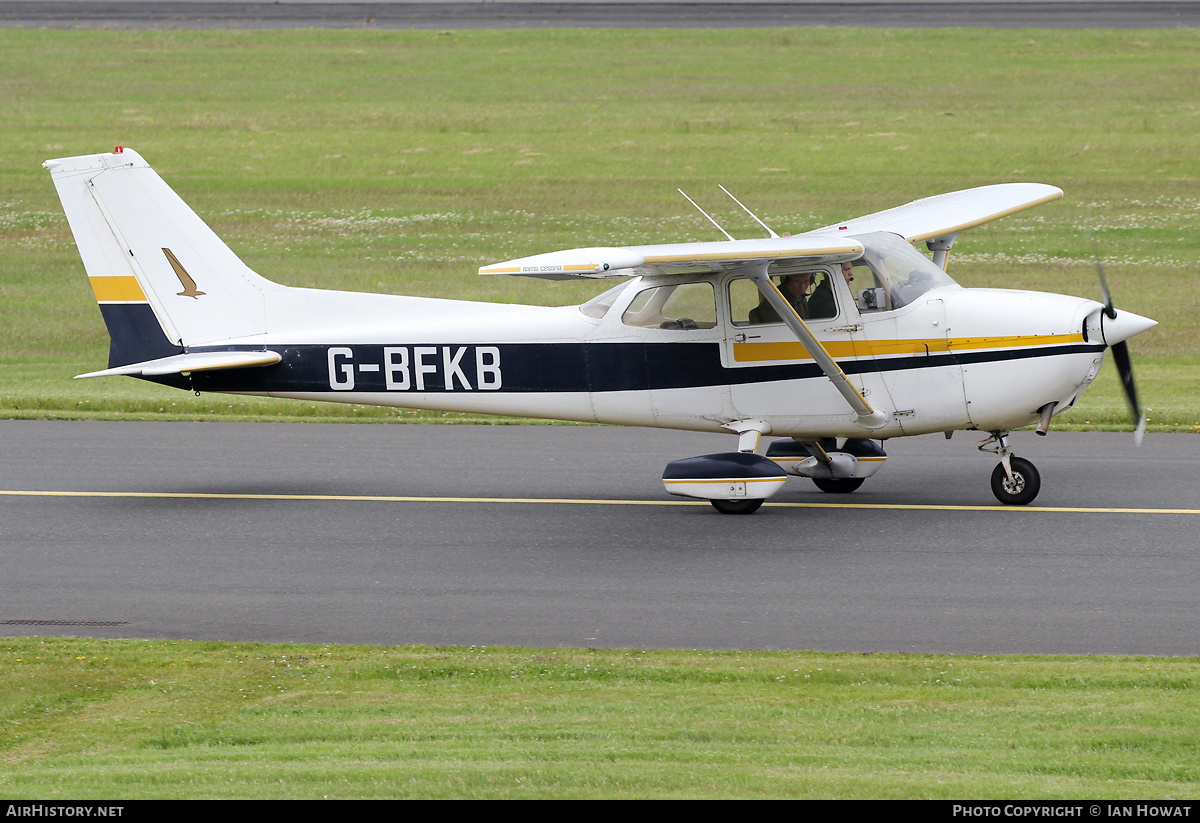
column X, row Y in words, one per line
column 822, row 303
column 794, row 288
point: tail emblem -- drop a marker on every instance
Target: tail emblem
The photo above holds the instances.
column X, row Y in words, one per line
column 185, row 279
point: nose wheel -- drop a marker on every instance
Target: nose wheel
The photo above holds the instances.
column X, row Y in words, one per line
column 1018, row 486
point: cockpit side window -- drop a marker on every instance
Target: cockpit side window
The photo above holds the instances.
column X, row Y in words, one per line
column 680, row 306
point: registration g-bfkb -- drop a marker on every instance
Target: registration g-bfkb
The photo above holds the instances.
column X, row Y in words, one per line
column 416, row 368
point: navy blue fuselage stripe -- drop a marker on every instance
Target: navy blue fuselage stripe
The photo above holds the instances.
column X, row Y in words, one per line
column 545, row 367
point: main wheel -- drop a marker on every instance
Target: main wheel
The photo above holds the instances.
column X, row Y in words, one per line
column 747, row 505
column 838, row 485
column 1022, row 488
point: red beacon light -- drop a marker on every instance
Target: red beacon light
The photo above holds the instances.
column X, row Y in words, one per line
column 118, row 150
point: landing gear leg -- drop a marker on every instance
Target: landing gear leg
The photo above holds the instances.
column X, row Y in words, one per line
column 1015, row 481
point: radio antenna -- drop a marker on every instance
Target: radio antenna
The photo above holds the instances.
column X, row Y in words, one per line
column 702, row 211
column 770, row 231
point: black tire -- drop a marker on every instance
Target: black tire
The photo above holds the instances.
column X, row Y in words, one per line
column 747, row 505
column 1024, row 486
column 838, row 485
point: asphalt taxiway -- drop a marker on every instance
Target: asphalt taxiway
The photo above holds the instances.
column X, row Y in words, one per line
column 453, row 14
column 563, row 536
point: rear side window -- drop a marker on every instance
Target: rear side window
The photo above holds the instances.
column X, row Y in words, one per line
column 682, row 306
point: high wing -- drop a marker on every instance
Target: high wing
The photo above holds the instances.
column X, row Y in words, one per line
column 679, row 258
column 944, row 216
column 938, row 220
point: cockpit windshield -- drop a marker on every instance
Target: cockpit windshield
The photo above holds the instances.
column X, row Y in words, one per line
column 902, row 274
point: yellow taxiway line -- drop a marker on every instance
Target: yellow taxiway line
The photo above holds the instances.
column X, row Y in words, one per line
column 581, row 501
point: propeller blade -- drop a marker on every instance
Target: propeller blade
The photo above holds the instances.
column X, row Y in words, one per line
column 1108, row 303
column 1125, row 370
column 1121, row 360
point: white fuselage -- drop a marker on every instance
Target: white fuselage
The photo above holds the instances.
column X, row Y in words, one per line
column 954, row 358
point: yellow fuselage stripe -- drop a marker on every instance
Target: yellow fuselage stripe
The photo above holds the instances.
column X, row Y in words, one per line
column 123, row 289
column 758, row 352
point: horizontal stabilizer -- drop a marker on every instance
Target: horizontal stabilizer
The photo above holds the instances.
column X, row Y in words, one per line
column 190, row 362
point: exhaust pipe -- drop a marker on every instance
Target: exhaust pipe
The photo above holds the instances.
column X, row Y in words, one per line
column 1046, row 412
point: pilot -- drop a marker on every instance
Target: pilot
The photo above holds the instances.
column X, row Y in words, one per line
column 821, row 303
column 795, row 290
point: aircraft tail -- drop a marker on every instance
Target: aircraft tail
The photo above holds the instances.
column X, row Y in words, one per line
column 162, row 277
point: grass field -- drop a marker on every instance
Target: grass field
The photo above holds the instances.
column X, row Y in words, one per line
column 143, row 719
column 401, row 161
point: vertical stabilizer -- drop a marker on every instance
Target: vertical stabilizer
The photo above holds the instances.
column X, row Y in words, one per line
column 162, row 277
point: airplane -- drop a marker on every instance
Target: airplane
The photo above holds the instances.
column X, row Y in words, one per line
column 827, row 343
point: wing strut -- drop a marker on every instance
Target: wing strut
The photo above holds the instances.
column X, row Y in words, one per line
column 866, row 416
